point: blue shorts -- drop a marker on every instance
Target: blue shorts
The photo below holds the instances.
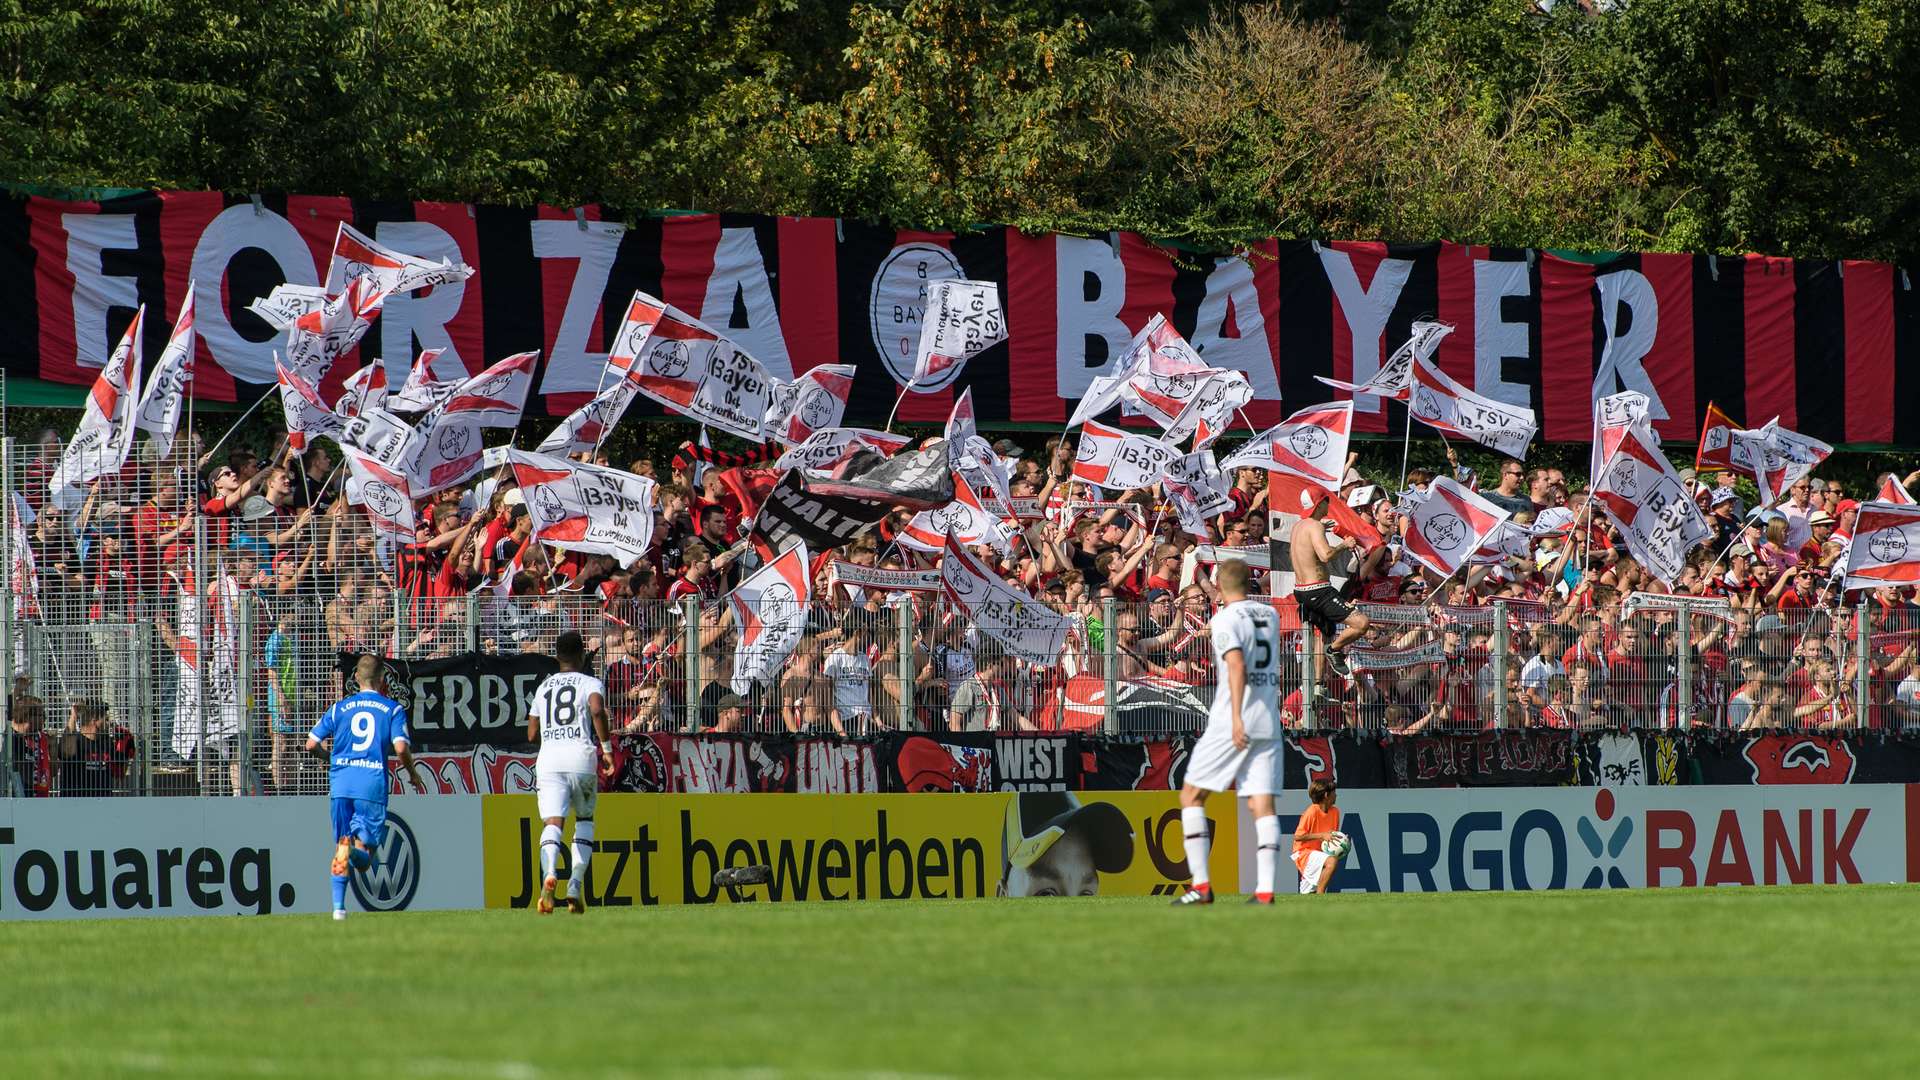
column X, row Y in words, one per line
column 362, row 818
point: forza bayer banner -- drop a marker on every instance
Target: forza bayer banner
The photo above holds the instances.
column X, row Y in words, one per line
column 664, row 849
column 118, row 858
column 1814, row 342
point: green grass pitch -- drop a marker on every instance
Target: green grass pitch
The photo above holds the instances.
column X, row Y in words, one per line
column 1739, row 983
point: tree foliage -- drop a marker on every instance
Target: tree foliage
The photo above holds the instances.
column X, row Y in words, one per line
column 1719, row 125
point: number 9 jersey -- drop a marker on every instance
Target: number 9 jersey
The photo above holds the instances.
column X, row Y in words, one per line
column 561, row 704
column 1252, row 627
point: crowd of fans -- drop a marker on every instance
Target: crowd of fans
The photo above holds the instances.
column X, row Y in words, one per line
column 166, row 547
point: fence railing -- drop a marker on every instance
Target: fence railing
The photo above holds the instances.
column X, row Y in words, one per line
column 152, row 649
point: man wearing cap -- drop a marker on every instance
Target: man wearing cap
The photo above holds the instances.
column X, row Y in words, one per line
column 1241, row 746
column 733, row 718
column 1820, row 525
column 1054, row 845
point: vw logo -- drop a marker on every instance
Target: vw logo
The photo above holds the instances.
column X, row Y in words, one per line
column 1308, row 442
column 669, row 359
column 1444, row 531
column 389, row 884
column 1887, row 546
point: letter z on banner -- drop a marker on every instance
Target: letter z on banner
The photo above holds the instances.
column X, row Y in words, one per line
column 588, row 508
column 1028, row 628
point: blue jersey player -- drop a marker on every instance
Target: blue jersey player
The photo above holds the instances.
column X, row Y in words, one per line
column 357, row 734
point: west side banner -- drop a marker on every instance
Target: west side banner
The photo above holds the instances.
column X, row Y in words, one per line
column 1831, row 348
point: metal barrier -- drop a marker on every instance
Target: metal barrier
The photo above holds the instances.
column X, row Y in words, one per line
column 154, row 650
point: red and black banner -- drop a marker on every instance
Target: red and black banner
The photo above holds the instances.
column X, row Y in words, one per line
column 1831, row 348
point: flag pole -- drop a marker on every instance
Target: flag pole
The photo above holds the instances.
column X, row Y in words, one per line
column 262, row 400
column 1406, row 444
column 896, row 406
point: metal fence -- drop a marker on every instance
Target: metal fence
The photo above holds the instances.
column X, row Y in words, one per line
column 154, row 650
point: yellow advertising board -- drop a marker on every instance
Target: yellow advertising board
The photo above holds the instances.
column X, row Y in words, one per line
column 665, row 849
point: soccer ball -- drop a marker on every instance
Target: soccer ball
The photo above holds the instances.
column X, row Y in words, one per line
column 1337, row 845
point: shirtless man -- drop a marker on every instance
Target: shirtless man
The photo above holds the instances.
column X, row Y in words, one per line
column 1320, row 604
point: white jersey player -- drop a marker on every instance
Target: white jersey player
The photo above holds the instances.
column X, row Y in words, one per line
column 1241, row 746
column 567, row 772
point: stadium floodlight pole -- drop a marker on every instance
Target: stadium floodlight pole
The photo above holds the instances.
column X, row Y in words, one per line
column 1110, row 657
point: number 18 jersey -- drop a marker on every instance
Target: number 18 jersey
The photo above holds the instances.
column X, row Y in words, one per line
column 567, row 743
column 1252, row 627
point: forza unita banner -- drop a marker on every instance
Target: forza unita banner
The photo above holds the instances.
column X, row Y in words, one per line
column 665, row 849
column 1829, row 347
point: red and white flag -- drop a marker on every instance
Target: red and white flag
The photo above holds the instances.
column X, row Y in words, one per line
column 364, row 389
column 1893, row 491
column 496, row 397
column 770, row 613
column 1613, row 415
column 1394, row 380
column 1716, row 442
column 382, row 494
column 963, row 319
column 423, row 390
column 286, row 303
column 1776, row 457
column 586, row 426
column 815, row 401
column 971, row 456
column 1311, row 444
column 589, row 508
column 830, row 447
column 321, row 336
column 691, row 368
column 387, row 446
column 1209, row 412
column 1119, row 460
column 966, row 519
column 1642, row 493
column 1197, row 487
column 105, row 435
column 1159, row 371
column 166, row 396
column 448, row 450
column 357, row 255
column 1448, row 407
column 1029, row 629
column 1886, row 546
column 307, row 414
column 1447, row 524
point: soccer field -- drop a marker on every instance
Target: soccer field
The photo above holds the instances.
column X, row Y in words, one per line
column 1788, row 982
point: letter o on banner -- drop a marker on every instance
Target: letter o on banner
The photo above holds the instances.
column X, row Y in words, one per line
column 232, row 231
column 1543, row 822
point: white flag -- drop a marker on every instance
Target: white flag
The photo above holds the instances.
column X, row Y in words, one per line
column 307, row 414
column 364, row 389
column 1447, row 524
column 815, row 401
column 1446, row 406
column 1394, row 380
column 691, row 368
column 387, row 504
column 829, row 447
column 1119, row 460
column 286, row 303
column 1209, row 412
column 1642, row 493
column 423, row 390
column 1776, row 458
column 1027, row 628
column 966, row 519
column 587, row 508
column 1613, row 415
column 586, row 426
column 1310, row 444
column 770, row 612
column 1886, row 546
column 105, row 435
column 495, row 398
column 357, row 255
column 321, row 336
column 167, row 388
column 1197, row 487
column 962, row 320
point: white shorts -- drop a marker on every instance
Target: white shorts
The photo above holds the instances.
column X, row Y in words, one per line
column 560, row 792
column 1216, row 765
column 1311, row 868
